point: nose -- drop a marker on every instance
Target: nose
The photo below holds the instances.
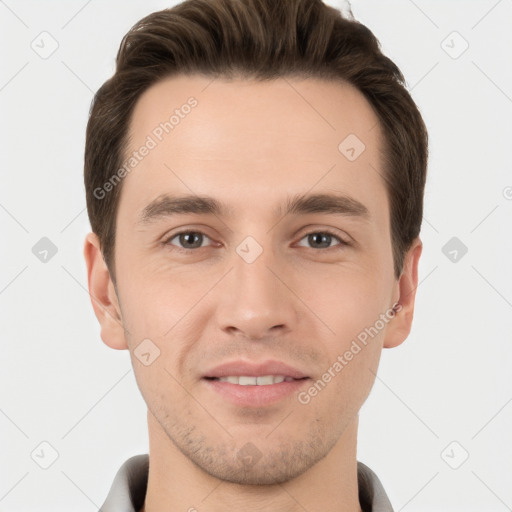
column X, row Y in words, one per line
column 257, row 302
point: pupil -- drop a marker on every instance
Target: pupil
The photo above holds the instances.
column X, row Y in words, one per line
column 320, row 239
column 188, row 239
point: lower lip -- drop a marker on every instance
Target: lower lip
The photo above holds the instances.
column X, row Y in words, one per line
column 255, row 396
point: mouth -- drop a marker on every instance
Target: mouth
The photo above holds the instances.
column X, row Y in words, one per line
column 247, row 380
column 248, row 384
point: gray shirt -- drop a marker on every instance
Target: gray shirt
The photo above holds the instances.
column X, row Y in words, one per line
column 129, row 488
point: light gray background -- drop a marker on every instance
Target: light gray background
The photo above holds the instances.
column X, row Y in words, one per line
column 450, row 381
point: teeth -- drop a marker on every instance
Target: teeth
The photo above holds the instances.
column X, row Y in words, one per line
column 264, row 380
column 247, row 381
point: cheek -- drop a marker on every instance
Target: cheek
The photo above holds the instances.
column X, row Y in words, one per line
column 346, row 299
column 341, row 390
column 155, row 304
column 162, row 391
column 352, row 307
column 163, row 318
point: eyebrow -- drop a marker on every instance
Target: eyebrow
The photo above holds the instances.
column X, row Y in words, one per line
column 300, row 204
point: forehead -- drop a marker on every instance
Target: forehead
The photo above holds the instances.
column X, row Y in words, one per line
column 312, row 109
column 240, row 139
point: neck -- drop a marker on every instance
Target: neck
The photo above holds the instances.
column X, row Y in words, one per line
column 176, row 483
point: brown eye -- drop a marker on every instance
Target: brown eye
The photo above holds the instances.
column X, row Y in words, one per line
column 188, row 239
column 322, row 240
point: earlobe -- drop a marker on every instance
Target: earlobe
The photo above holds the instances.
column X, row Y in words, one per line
column 400, row 327
column 103, row 295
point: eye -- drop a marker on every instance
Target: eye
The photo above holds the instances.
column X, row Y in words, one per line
column 322, row 240
column 188, row 240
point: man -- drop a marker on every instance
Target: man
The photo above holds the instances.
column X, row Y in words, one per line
column 254, row 174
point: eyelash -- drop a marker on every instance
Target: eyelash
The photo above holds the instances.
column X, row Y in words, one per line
column 342, row 243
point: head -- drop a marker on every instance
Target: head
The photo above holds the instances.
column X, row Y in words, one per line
column 254, row 173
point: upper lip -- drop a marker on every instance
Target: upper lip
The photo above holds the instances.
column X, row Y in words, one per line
column 254, row 369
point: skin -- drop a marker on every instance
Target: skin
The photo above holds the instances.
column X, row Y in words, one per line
column 250, row 146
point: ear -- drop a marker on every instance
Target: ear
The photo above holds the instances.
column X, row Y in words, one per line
column 400, row 326
column 103, row 295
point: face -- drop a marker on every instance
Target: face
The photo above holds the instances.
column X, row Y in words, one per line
column 250, row 248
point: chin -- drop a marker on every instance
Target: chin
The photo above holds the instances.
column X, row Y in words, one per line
column 249, row 465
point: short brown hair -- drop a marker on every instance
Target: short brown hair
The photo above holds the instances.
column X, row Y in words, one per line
column 262, row 40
